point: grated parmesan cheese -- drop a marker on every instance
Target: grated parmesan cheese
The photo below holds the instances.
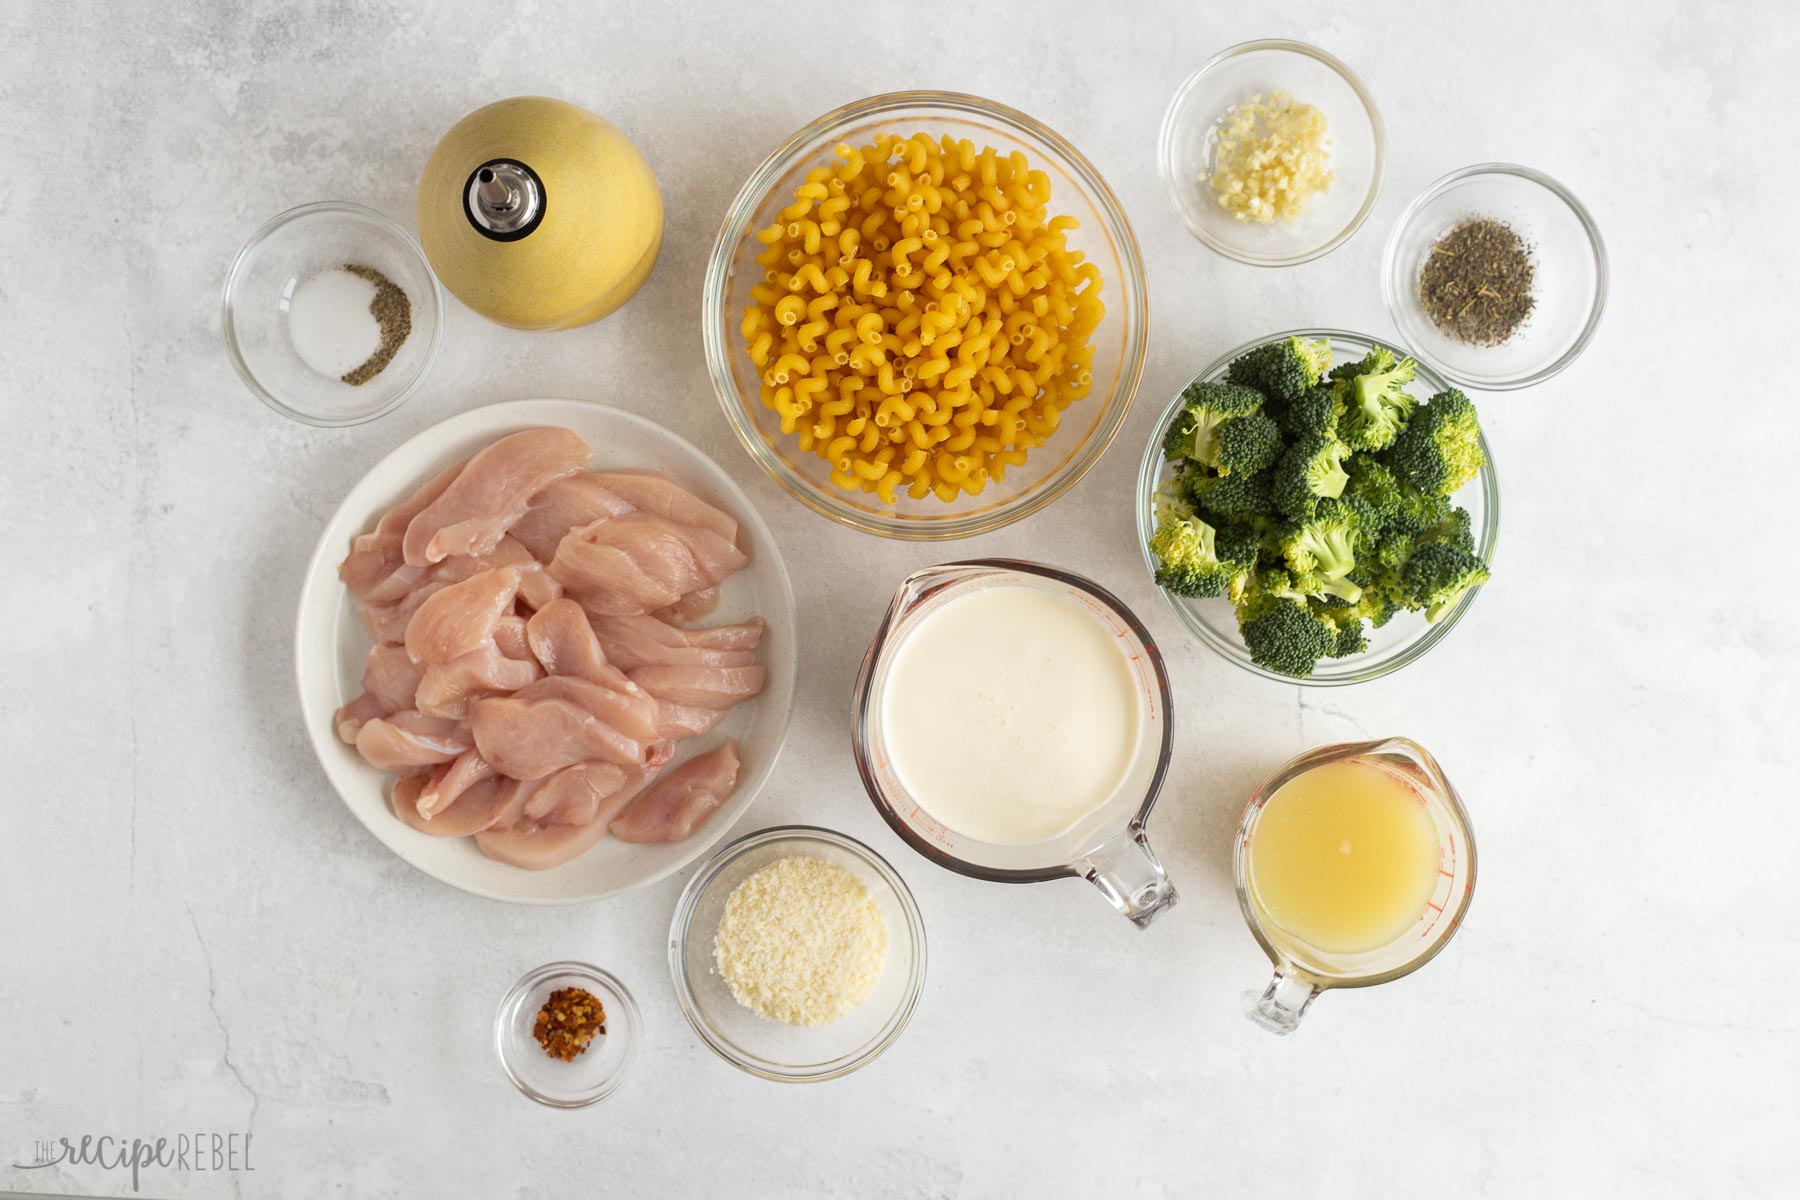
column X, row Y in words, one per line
column 801, row 942
column 1271, row 157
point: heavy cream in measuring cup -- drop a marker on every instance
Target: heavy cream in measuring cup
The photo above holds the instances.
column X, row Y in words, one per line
column 1010, row 713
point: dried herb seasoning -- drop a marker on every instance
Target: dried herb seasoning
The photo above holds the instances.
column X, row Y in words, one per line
column 1476, row 284
column 392, row 312
column 568, row 1021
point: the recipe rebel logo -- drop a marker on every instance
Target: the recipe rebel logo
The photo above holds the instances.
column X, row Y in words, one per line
column 193, row 1152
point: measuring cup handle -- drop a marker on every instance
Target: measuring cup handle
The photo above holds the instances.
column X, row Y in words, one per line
column 1128, row 873
column 1283, row 1002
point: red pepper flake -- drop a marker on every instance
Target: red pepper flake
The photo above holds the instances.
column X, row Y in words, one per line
column 568, row 1022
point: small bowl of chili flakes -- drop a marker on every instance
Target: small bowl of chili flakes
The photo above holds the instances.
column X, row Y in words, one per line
column 567, row 1034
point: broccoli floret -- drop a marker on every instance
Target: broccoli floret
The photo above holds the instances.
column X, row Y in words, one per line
column 1375, row 488
column 1195, row 430
column 1326, row 544
column 1238, row 542
column 1440, row 448
column 1304, row 473
column 1191, row 566
column 1437, row 575
column 1346, row 623
column 1245, row 445
column 1457, row 530
column 1239, row 494
column 1417, row 511
column 1282, row 370
column 1312, row 414
column 1375, row 403
column 1282, row 634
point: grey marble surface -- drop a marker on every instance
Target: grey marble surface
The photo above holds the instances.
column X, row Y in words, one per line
column 196, row 936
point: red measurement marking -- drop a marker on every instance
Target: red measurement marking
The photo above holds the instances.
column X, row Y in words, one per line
column 1445, row 874
column 1435, row 907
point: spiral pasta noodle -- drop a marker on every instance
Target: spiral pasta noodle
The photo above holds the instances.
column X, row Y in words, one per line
column 922, row 322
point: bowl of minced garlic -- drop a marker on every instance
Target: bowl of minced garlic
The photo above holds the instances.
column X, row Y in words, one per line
column 798, row 954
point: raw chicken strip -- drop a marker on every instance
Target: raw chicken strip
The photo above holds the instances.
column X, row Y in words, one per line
column 536, row 588
column 641, row 562
column 449, row 782
column 681, row 800
column 376, row 555
column 491, row 492
column 575, row 795
column 509, row 636
column 564, row 643
column 640, row 641
column 677, row 721
column 351, row 718
column 460, row 619
column 702, row 687
column 388, row 622
column 493, row 803
column 539, row 847
column 651, row 492
column 690, row 607
column 408, row 740
column 391, row 677
column 630, row 710
column 448, row 689
column 529, row 739
column 567, row 504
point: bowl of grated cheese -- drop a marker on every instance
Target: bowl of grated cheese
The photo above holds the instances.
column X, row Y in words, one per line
column 798, row 954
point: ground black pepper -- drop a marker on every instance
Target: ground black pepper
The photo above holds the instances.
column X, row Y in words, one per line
column 393, row 312
column 1476, row 284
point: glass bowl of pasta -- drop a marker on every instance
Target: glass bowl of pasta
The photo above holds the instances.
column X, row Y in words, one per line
column 925, row 315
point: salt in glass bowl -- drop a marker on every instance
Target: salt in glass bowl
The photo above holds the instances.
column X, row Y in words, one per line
column 1105, row 235
column 261, row 283
column 1358, row 150
column 1569, row 274
column 591, row 1076
column 1406, row 637
column 770, row 1049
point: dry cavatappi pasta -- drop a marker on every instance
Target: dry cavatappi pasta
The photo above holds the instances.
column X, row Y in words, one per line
column 922, row 322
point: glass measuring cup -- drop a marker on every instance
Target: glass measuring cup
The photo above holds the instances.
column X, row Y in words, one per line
column 1108, row 847
column 1303, row 971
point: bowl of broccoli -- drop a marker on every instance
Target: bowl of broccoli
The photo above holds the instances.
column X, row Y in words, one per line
column 1318, row 507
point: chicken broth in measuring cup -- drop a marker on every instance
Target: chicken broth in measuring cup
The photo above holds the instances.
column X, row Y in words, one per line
column 1010, row 714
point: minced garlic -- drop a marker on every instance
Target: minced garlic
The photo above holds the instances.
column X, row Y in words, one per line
column 1271, row 158
column 801, row 941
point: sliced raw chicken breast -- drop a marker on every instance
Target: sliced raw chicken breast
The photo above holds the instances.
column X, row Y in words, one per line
column 353, row 716
column 376, row 555
column 652, row 492
column 388, row 622
column 641, row 562
column 640, row 641
column 493, row 803
column 682, row 799
column 510, row 637
column 677, row 721
column 701, row 687
column 564, row 643
column 629, row 709
column 690, row 607
column 391, row 677
column 406, row 740
column 460, row 619
column 537, row 847
column 492, row 491
column 529, row 739
column 574, row 795
column 449, row 782
column 448, row 689
column 569, row 503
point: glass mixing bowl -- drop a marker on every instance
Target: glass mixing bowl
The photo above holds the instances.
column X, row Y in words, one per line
column 1105, row 235
column 592, row 1075
column 1403, row 639
column 277, row 259
column 794, row 1053
column 1569, row 278
column 1186, row 149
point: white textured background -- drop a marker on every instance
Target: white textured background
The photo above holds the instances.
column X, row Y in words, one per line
column 196, row 935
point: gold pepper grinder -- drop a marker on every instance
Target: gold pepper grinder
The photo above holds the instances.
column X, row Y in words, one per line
column 538, row 214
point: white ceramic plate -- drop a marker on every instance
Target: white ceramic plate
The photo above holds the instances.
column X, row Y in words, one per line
column 330, row 644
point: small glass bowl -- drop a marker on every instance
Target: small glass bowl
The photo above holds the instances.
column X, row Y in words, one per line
column 1186, row 149
column 1569, row 280
column 594, row 1074
column 1105, row 235
column 1403, row 639
column 283, row 253
column 769, row 1049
